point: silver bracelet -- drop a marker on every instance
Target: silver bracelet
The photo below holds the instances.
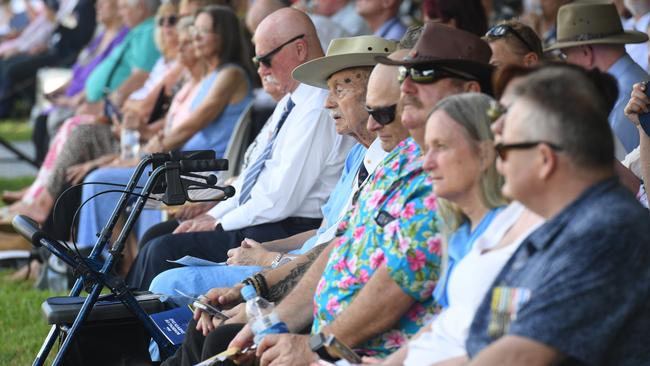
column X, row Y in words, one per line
column 276, row 261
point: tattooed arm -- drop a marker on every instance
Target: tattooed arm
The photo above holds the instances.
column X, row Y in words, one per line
column 282, row 280
column 297, row 286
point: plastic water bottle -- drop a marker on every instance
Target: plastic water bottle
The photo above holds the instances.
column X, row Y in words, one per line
column 261, row 317
column 129, row 144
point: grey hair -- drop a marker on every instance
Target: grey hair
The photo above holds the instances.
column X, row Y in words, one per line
column 469, row 110
column 566, row 109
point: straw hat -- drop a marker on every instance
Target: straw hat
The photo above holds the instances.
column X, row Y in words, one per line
column 587, row 22
column 343, row 53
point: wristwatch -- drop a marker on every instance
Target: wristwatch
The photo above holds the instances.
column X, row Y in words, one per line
column 276, row 260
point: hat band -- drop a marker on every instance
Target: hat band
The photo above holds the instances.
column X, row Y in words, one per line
column 588, row 37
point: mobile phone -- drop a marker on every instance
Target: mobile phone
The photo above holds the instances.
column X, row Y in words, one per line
column 210, row 310
column 644, row 119
column 111, row 110
column 200, row 303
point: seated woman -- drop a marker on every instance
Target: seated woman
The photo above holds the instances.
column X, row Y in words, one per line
column 443, row 341
column 221, row 98
column 68, row 97
column 92, row 139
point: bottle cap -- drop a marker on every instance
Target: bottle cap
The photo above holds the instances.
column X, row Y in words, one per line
column 248, row 292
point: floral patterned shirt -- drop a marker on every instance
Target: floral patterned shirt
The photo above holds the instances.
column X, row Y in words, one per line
column 393, row 222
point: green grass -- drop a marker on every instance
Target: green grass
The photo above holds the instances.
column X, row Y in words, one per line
column 22, row 323
column 14, row 184
column 15, row 130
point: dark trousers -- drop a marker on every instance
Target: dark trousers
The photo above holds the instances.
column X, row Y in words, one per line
column 18, row 73
column 160, row 229
column 196, row 347
column 210, row 245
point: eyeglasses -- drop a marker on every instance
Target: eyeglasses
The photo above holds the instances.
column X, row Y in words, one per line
column 266, row 59
column 168, row 21
column 383, row 115
column 496, row 111
column 425, row 75
column 502, row 149
column 196, row 31
column 499, row 31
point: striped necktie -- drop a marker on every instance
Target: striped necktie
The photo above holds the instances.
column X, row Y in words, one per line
column 254, row 172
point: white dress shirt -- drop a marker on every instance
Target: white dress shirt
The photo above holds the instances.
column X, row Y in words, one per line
column 304, row 167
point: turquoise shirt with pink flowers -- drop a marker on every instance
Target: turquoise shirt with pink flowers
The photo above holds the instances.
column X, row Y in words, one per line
column 392, row 223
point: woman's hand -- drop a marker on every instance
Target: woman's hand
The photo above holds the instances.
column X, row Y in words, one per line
column 76, row 173
column 155, row 144
column 250, row 253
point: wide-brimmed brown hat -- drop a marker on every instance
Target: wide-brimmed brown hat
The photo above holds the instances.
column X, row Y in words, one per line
column 588, row 22
column 449, row 48
column 343, row 53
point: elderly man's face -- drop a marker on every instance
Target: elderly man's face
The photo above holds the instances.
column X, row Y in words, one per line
column 276, row 77
column 345, row 101
column 380, row 97
column 419, row 99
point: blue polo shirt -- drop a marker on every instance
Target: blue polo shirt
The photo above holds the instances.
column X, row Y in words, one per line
column 579, row 284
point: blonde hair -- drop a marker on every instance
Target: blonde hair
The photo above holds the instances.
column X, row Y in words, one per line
column 469, row 110
column 165, row 50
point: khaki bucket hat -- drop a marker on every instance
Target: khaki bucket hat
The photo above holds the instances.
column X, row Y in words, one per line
column 591, row 22
column 343, row 53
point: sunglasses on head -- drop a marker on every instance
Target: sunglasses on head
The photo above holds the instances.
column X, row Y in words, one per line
column 425, row 75
column 266, row 58
column 168, row 21
column 499, row 31
column 383, row 115
column 502, row 149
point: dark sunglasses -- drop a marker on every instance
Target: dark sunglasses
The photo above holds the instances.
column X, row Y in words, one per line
column 425, row 75
column 499, row 31
column 502, row 149
column 266, row 59
column 383, row 115
column 168, row 21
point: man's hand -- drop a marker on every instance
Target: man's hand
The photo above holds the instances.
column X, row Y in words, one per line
column 250, row 253
column 285, row 349
column 638, row 103
column 190, row 211
column 200, row 223
column 242, row 340
column 220, row 297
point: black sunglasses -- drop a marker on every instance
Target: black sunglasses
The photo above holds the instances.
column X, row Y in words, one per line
column 499, row 31
column 427, row 75
column 383, row 115
column 168, row 21
column 266, row 59
column 502, row 149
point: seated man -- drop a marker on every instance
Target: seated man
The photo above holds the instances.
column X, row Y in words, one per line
column 281, row 192
column 422, row 222
column 551, row 304
column 349, row 75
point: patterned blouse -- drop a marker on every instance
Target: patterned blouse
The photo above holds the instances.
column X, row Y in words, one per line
column 393, row 222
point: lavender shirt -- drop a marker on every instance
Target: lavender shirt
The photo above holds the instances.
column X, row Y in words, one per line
column 81, row 70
